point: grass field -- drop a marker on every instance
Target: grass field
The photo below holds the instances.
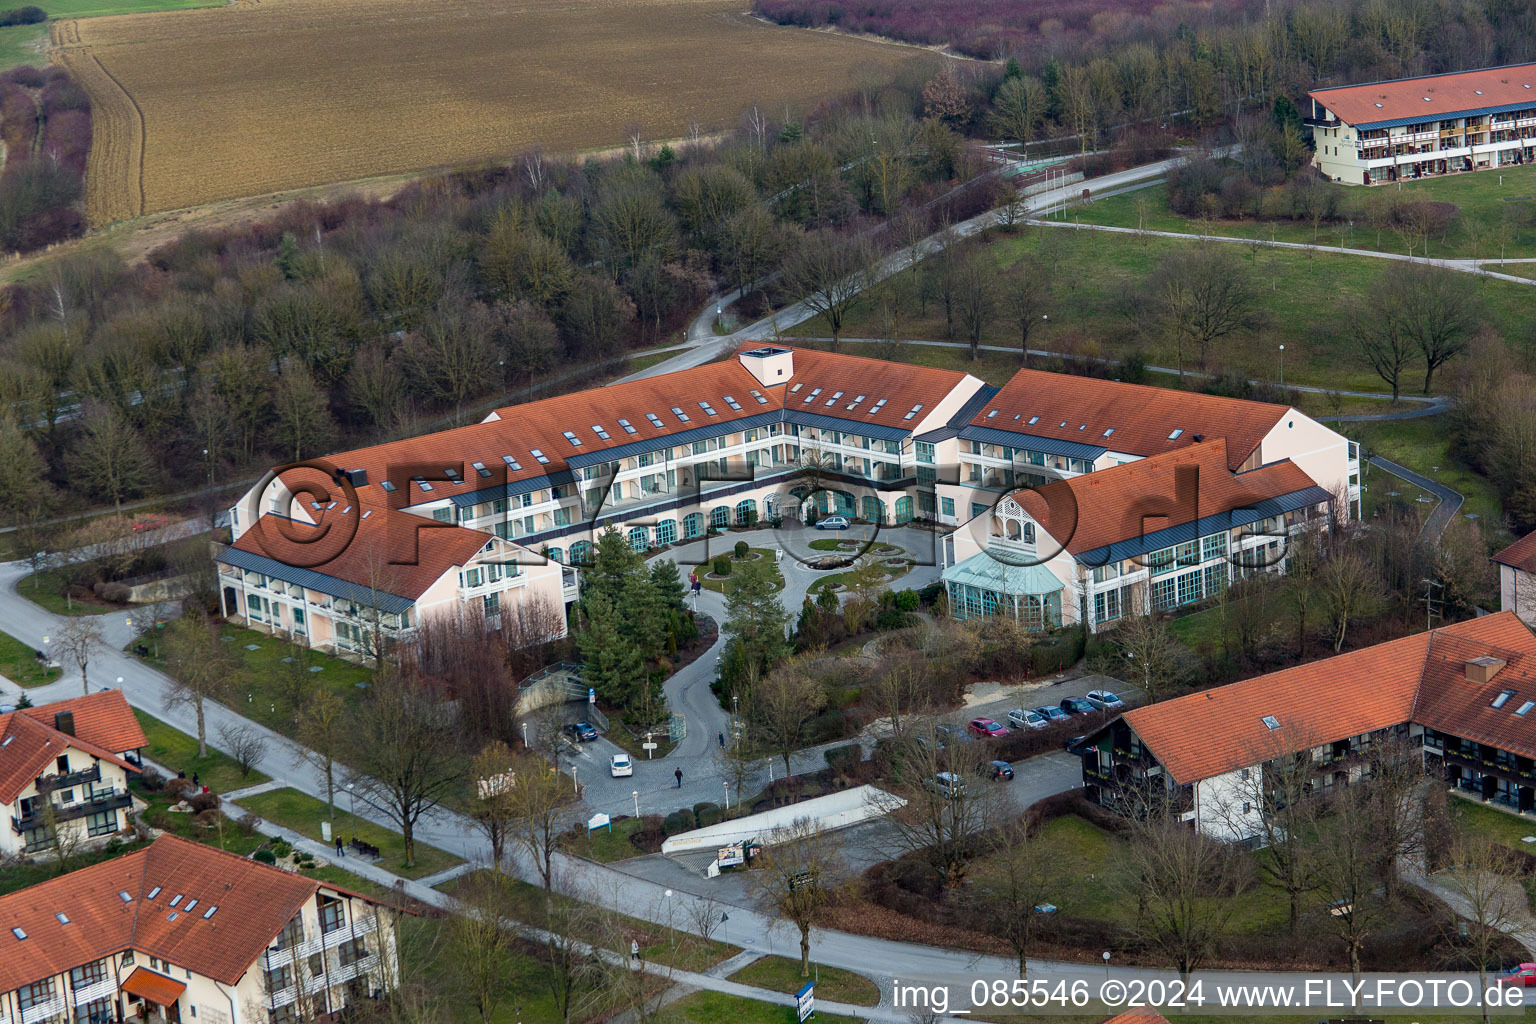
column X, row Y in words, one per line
column 20, row 666
column 726, row 586
column 714, row 1007
column 28, row 44
column 290, row 93
column 178, row 752
column 303, row 813
column 1484, row 200
column 782, row 974
column 1298, row 293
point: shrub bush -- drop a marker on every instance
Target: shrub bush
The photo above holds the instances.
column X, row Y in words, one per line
column 845, row 758
column 264, row 856
column 281, row 847
column 246, row 823
column 707, row 814
column 179, row 788
column 722, row 565
column 907, row 600
column 151, row 780
column 678, row 821
column 200, row 802
column 117, row 593
column 741, row 550
column 22, row 16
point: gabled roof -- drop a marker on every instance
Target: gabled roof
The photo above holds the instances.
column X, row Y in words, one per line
column 103, row 718
column 253, row 901
column 30, row 744
column 1520, row 555
column 1418, row 678
column 1132, row 501
column 390, row 553
column 1432, row 97
column 1141, row 418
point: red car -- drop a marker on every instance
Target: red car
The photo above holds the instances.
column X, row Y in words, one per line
column 985, row 728
column 1524, row 976
column 153, row 521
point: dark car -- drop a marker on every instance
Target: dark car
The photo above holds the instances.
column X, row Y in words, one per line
column 995, row 770
column 1052, row 714
column 582, row 731
column 951, row 734
column 1077, row 706
column 1074, row 745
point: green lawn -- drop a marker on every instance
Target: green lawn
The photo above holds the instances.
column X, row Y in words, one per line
column 1094, row 271
column 303, row 813
column 604, row 845
column 178, row 752
column 1423, row 445
column 1507, row 829
column 725, row 586
column 19, row 664
column 45, row 588
column 23, row 44
column 714, row 1007
column 781, row 974
column 267, row 688
column 845, row 577
column 1482, row 200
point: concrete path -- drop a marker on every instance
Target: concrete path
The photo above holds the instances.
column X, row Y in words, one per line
column 1445, row 511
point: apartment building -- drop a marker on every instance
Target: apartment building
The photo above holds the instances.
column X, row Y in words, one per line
column 1459, row 697
column 770, row 432
column 64, row 771
column 1517, row 578
column 179, row 932
column 1425, row 127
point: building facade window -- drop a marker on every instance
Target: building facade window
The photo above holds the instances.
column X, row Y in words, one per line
column 332, row 915
column 492, row 603
column 947, row 505
column 923, row 451
column 102, row 823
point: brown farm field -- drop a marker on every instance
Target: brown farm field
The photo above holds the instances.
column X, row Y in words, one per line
column 199, row 106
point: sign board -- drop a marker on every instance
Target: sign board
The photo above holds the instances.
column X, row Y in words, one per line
column 591, row 695
column 805, row 1001
column 730, row 856
column 598, row 820
column 491, row 785
column 647, row 746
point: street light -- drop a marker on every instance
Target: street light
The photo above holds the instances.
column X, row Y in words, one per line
column 1282, row 366
column 354, row 799
column 525, row 735
column 636, row 795
column 727, row 787
column 1106, row 965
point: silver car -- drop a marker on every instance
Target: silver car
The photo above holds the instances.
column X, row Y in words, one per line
column 1105, row 700
column 1023, row 718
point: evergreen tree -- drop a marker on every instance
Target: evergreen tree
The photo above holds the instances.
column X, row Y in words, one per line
column 754, row 616
column 611, row 664
column 668, row 584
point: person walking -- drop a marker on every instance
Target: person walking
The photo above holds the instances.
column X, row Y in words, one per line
column 678, row 774
column 722, row 741
column 340, row 851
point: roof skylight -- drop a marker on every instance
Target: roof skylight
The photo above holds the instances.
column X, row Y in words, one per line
column 655, row 420
column 709, row 410
column 812, row 396
column 798, row 385
column 678, row 412
column 876, row 407
column 1175, row 435
column 1270, row 722
column 1502, row 698
column 571, row 437
column 599, row 431
column 733, row 403
column 833, row 400
column 421, row 482
column 761, row 399
column 913, row 411
column 629, row 428
column 62, row 918
column 1032, row 421
column 1525, row 709
column 509, row 460
column 388, row 486
column 539, row 457
column 153, row 893
column 480, row 468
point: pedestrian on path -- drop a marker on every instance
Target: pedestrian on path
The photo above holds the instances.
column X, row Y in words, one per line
column 722, row 741
column 634, row 952
column 340, row 850
column 679, row 775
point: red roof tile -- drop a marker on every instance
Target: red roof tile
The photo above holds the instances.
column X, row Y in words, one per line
column 1116, row 504
column 1521, row 554
column 1419, row 678
column 427, row 548
column 1142, row 417
column 1432, row 96
column 29, row 748
column 157, row 988
column 1136, row 1017
column 103, row 718
column 254, row 902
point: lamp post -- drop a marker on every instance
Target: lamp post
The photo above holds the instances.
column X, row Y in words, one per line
column 525, row 735
column 1282, row 366
column 1106, row 965
column 636, row 794
column 672, row 932
column 1045, row 322
column 727, row 787
column 354, row 799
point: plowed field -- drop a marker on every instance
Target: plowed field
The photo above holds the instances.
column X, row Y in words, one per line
column 203, row 105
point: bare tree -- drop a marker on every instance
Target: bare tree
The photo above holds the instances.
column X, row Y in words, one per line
column 1436, row 309
column 493, row 806
column 535, row 805
column 244, row 744
column 403, row 752
column 737, row 764
column 1016, row 876
column 480, row 941
column 322, row 736
column 79, row 638
column 147, row 618
column 781, row 706
column 1026, row 291
column 1350, row 589
column 795, row 876
column 1350, row 873
column 976, row 297
column 1153, row 657
column 944, row 817
column 828, row 271
column 1379, row 335
column 200, row 667
column 1184, row 884
column 1486, row 895
column 1203, row 294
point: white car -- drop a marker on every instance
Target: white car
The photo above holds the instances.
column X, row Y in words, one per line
column 833, row 523
column 619, row 766
column 1023, row 718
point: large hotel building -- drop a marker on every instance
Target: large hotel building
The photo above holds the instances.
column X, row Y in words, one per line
column 1425, row 127
column 1050, row 499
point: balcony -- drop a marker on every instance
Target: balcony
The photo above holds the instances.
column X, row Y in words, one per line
column 44, row 1011
column 112, row 801
column 69, row 779
column 103, row 989
column 1491, row 766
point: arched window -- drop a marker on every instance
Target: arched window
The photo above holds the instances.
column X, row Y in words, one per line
column 720, row 517
column 1013, row 530
column 556, row 554
column 666, row 532
column 693, row 525
column 903, row 509
column 581, row 552
column 872, row 509
column 746, row 512
column 639, row 538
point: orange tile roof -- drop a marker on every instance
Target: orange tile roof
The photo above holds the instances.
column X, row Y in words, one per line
column 1136, row 1017
column 1096, row 509
column 1447, row 95
column 103, row 718
column 516, row 430
column 157, row 988
column 1142, row 417
column 29, row 748
column 382, row 536
column 1521, row 554
column 254, row 902
column 1418, row 678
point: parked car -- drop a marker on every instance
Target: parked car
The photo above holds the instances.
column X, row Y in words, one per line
column 950, row 734
column 1523, row 976
column 1077, row 706
column 1024, row 718
column 582, row 732
column 946, row 784
column 1104, row 700
column 1074, row 745
column 995, row 770
column 833, row 523
column 619, row 766
column 1052, row 714
column 985, row 728
column 153, row 521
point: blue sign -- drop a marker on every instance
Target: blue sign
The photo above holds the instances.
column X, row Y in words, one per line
column 805, row 1001
column 591, row 695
